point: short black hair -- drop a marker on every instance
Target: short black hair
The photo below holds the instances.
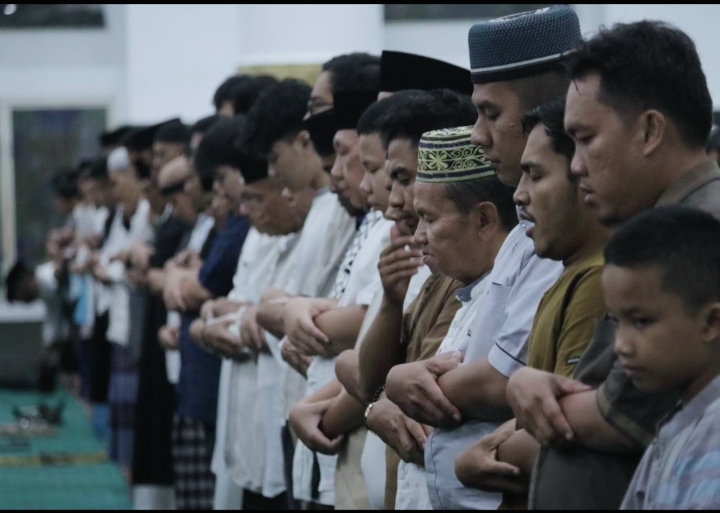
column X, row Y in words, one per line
column 373, row 118
column 65, row 183
column 683, row 241
column 649, row 65
column 418, row 112
column 95, row 168
column 246, row 93
column 219, row 147
column 226, row 91
column 223, row 146
column 201, row 126
column 551, row 115
column 468, row 193
column 18, row 275
column 277, row 115
column 356, row 71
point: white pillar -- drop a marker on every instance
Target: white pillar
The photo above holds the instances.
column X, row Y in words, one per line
column 176, row 55
column 296, row 34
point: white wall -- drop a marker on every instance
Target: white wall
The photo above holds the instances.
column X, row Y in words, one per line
column 307, row 33
column 176, row 56
column 65, row 67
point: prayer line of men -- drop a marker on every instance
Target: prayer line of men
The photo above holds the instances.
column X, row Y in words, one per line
column 434, row 310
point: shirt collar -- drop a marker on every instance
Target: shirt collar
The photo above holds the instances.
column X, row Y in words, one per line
column 687, row 414
column 465, row 294
column 699, row 176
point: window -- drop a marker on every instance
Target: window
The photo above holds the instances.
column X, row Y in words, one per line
column 41, row 16
column 44, row 141
column 430, row 12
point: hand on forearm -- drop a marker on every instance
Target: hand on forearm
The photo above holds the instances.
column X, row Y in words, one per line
column 305, row 422
column 479, row 467
column 401, row 433
column 533, row 395
column 294, row 358
column 299, row 322
column 413, row 387
column 478, row 390
column 341, row 325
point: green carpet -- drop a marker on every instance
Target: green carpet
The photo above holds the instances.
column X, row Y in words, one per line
column 31, row 477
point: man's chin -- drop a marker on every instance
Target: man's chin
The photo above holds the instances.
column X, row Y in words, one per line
column 351, row 209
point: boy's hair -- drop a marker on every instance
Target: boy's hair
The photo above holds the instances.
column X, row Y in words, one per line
column 226, row 91
column 277, row 115
column 684, row 242
column 65, row 183
column 354, row 72
column 223, row 146
column 201, row 126
column 246, row 93
column 415, row 112
column 649, row 65
column 219, row 147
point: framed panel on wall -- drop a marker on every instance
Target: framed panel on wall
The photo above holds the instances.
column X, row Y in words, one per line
column 45, row 140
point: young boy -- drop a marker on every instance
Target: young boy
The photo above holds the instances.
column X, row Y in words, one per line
column 662, row 289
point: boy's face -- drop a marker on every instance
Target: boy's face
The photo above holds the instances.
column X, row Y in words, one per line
column 549, row 199
column 659, row 343
column 374, row 183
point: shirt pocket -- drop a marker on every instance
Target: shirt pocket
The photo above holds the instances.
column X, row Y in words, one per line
column 498, row 293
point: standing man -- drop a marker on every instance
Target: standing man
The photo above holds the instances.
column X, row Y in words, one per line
column 469, row 401
column 638, row 93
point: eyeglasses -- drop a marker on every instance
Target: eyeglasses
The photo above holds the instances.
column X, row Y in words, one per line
column 316, row 103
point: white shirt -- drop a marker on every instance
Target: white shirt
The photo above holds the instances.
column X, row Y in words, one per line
column 326, row 235
column 115, row 298
column 250, row 269
column 245, row 461
column 248, row 433
column 372, row 457
column 499, row 332
column 307, row 268
column 412, row 490
column 362, row 282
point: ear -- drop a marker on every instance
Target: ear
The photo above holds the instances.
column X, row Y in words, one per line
column 654, row 127
column 711, row 328
column 486, row 216
column 303, row 139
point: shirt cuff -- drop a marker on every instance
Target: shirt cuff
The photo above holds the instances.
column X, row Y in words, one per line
column 503, row 362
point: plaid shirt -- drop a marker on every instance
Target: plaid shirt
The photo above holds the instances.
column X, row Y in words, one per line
column 681, row 468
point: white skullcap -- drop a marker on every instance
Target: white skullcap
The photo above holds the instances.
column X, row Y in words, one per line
column 118, row 160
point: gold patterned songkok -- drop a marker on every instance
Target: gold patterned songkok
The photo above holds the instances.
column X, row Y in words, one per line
column 447, row 155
